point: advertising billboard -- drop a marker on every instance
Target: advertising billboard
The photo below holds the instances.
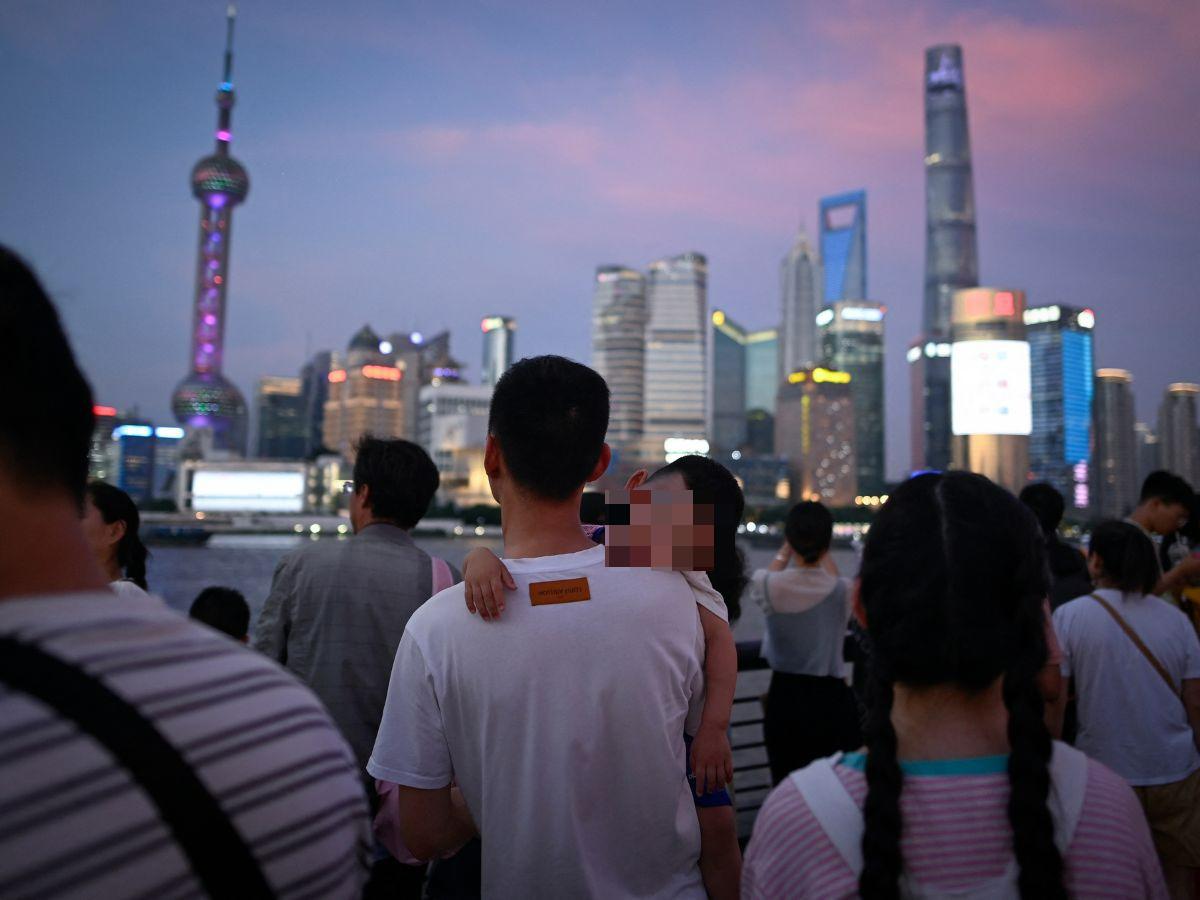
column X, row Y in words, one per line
column 990, row 388
column 248, row 491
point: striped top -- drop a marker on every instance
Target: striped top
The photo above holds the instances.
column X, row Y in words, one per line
column 956, row 835
column 73, row 823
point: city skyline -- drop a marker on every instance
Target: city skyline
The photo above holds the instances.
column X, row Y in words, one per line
column 391, row 182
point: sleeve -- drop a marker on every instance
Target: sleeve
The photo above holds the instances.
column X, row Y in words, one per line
column 274, row 620
column 1054, row 652
column 706, row 595
column 1191, row 659
column 1060, row 624
column 756, row 590
column 410, row 748
column 696, row 686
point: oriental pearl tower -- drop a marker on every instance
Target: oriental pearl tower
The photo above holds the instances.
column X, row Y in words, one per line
column 206, row 398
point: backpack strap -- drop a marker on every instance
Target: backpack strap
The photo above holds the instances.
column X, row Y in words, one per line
column 442, row 576
column 833, row 808
column 219, row 857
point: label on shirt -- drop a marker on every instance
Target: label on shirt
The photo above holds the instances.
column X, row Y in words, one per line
column 569, row 590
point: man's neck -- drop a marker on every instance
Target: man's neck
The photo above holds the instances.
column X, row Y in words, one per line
column 946, row 722
column 1141, row 518
column 43, row 551
column 533, row 527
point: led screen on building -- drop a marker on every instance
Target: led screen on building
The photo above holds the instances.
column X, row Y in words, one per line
column 248, row 491
column 990, row 388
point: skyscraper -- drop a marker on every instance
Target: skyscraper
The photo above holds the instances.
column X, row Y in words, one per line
column 800, row 287
column 279, row 412
column 762, row 388
column 1180, row 442
column 366, row 395
column 497, row 347
column 844, row 246
column 206, row 398
column 727, row 384
column 1114, row 484
column 951, row 259
column 814, row 432
column 851, row 334
column 675, row 369
column 619, row 351
column 314, row 381
column 1060, row 355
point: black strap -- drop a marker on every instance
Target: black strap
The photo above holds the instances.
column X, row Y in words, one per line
column 219, row 857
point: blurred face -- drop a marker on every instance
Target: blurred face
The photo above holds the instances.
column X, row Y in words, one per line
column 659, row 526
column 102, row 536
column 1165, row 518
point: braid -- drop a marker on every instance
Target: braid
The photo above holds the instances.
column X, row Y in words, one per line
column 882, row 862
column 1029, row 786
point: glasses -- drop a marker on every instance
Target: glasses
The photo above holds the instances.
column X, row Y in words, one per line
column 347, row 487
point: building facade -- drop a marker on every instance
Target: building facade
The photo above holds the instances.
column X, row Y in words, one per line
column 843, row 240
column 498, row 333
column 727, row 384
column 1179, row 449
column 814, row 432
column 453, row 430
column 280, row 414
column 1061, row 362
column 206, row 398
column 929, row 399
column 800, row 289
column 1145, row 442
column 762, row 387
column 314, row 390
column 675, row 364
column 951, row 257
column 366, row 395
column 619, row 351
column 851, row 334
column 1114, row 483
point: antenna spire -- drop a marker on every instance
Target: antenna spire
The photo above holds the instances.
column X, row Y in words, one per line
column 230, row 17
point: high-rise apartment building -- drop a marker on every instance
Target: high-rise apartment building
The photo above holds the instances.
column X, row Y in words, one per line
column 1060, row 357
column 800, row 289
column 814, row 432
column 365, row 395
column 951, row 258
column 279, row 413
column 991, row 402
column 497, row 347
column 844, row 246
column 1114, row 484
column 727, row 384
column 675, row 366
column 1179, row 449
column 619, row 351
column 851, row 334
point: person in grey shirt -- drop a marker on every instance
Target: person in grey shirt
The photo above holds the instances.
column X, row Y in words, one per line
column 338, row 609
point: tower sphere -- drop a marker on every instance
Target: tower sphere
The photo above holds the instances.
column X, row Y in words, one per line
column 222, row 175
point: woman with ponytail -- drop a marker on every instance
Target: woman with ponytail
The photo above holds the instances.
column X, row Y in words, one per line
column 111, row 523
column 960, row 791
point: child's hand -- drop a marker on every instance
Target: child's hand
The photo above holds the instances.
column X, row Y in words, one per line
column 712, row 759
column 485, row 579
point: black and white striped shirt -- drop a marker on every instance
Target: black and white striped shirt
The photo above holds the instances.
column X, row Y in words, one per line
column 74, row 823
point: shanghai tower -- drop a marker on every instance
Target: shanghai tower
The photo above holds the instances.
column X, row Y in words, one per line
column 951, row 260
column 205, row 398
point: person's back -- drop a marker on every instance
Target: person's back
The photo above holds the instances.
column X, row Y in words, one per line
column 1068, row 569
column 338, row 608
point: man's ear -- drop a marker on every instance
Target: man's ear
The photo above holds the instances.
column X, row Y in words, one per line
column 116, row 531
column 364, row 495
column 860, row 613
column 602, row 463
column 491, row 457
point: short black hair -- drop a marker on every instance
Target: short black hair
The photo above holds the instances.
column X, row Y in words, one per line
column 1126, row 556
column 549, row 416
column 809, row 530
column 46, row 429
column 401, row 476
column 1167, row 487
column 1047, row 505
column 224, row 609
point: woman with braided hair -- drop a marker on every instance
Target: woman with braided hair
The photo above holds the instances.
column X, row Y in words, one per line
column 960, row 791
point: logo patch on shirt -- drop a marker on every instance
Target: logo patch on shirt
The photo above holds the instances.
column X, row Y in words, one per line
column 569, row 590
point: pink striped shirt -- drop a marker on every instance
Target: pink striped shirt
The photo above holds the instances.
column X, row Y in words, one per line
column 956, row 836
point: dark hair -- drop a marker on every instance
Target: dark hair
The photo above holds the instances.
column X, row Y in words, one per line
column 401, row 477
column 809, row 530
column 1167, row 487
column 711, row 482
column 114, row 505
column 1126, row 556
column 46, row 429
column 953, row 580
column 549, row 416
column 224, row 609
column 1047, row 504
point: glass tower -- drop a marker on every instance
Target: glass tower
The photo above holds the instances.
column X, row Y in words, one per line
column 852, row 341
column 281, row 418
column 1060, row 355
column 1179, row 440
column 951, row 259
column 727, row 384
column 800, row 286
column 497, row 347
column 1114, row 484
column 844, row 246
column 619, row 350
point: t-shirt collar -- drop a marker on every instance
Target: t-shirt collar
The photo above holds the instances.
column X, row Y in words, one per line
column 592, row 556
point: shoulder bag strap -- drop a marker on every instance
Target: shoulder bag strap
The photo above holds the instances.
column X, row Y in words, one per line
column 833, row 808
column 1137, row 641
column 218, row 855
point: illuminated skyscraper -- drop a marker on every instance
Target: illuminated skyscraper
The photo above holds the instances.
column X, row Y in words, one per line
column 206, row 398
column 619, row 351
column 1114, row 484
column 1060, row 355
column 844, row 246
column 800, row 286
column 814, row 432
column 727, row 384
column 280, row 418
column 366, row 394
column 1180, row 443
column 851, row 333
column 497, row 347
column 951, row 260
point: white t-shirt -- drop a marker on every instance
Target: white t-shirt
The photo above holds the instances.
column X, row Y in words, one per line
column 1128, row 717
column 127, row 590
column 563, row 724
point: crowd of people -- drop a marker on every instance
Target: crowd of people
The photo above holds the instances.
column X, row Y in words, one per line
column 556, row 722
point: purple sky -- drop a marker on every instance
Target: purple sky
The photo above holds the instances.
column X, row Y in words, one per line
column 418, row 165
